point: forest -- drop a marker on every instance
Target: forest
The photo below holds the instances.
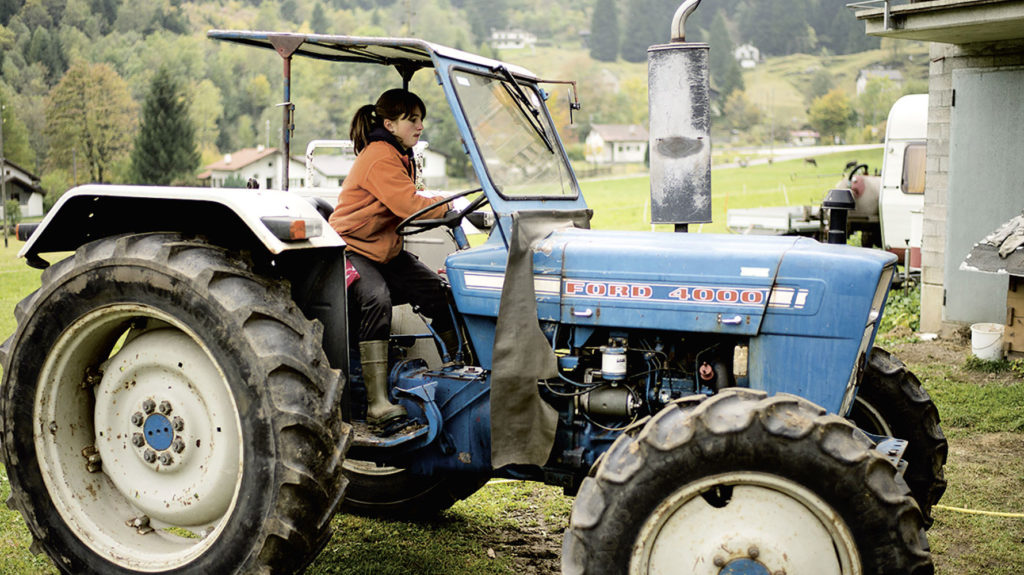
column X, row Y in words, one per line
column 82, row 81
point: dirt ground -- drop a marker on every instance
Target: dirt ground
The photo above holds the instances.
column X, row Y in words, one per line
column 535, row 545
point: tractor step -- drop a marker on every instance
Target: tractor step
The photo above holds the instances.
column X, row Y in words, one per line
column 365, row 435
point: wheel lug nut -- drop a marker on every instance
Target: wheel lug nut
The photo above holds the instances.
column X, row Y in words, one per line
column 178, row 423
column 753, row 552
column 178, row 445
column 138, row 440
column 165, row 407
column 148, row 406
column 719, row 561
column 138, row 418
column 166, row 459
column 149, row 455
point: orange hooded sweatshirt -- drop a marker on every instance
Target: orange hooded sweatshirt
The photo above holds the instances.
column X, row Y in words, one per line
column 378, row 193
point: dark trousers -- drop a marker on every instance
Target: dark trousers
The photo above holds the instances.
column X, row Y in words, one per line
column 404, row 279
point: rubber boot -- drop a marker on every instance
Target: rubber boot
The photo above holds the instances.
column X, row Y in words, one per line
column 379, row 409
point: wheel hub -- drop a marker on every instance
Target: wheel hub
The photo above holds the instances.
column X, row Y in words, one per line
column 163, row 413
column 161, row 442
column 157, row 430
column 744, row 566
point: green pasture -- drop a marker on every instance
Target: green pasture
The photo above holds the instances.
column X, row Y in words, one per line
column 505, row 525
column 623, row 203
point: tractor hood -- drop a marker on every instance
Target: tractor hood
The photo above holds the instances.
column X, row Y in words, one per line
column 682, row 282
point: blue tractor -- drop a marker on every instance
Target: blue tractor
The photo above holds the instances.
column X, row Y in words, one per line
column 180, row 394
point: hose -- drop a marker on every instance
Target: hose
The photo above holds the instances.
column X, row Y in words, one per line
column 977, row 512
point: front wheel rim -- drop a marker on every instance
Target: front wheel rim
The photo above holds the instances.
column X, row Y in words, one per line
column 152, row 504
column 754, row 522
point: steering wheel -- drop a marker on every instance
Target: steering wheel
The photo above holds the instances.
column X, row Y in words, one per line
column 414, row 225
column 857, row 168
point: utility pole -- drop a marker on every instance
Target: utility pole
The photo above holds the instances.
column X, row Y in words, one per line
column 3, row 173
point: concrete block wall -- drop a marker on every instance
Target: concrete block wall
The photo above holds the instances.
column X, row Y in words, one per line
column 945, row 58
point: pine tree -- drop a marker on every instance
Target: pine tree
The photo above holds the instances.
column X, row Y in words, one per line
column 165, row 149
column 319, row 19
column 725, row 71
column 639, row 31
column 604, row 32
column 9, row 8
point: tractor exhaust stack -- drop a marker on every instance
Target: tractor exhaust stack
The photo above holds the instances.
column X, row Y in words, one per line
column 680, row 127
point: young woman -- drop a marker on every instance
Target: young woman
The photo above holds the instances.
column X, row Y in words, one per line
column 380, row 192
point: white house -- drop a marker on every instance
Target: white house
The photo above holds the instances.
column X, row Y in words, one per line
column 747, row 55
column 512, row 39
column 869, row 74
column 23, row 187
column 616, row 144
column 328, row 163
column 265, row 165
column 804, row 137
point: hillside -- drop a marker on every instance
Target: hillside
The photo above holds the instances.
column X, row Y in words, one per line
column 233, row 92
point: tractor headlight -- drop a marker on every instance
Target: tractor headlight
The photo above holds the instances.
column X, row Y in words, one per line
column 289, row 229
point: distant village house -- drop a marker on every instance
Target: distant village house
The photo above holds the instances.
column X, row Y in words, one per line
column 869, row 74
column 804, row 137
column 512, row 39
column 23, row 187
column 332, row 160
column 616, row 144
column 264, row 165
column 747, row 55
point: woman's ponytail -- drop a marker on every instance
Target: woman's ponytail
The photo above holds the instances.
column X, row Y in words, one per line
column 363, row 122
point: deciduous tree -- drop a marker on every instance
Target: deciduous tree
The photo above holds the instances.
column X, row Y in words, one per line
column 873, row 104
column 91, row 116
column 740, row 112
column 831, row 114
column 16, row 144
column 165, row 149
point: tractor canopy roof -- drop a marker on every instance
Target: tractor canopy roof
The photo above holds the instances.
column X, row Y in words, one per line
column 406, row 54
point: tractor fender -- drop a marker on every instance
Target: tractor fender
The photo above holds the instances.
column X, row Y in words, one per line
column 237, row 217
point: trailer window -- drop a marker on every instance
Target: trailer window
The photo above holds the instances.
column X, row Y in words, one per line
column 914, row 169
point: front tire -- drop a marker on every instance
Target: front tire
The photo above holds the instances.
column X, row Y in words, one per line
column 891, row 401
column 743, row 482
column 166, row 410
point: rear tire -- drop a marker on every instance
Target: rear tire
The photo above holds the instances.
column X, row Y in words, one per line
column 891, row 401
column 166, row 410
column 394, row 492
column 749, row 482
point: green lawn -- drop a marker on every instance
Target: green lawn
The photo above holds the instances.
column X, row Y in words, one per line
column 508, row 525
column 624, row 203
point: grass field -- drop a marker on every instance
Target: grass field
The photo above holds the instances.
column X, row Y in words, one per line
column 624, row 203
column 513, row 527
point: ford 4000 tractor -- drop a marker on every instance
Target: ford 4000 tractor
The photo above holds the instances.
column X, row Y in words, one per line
column 180, row 393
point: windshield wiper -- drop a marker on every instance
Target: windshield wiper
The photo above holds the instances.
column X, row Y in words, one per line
column 525, row 106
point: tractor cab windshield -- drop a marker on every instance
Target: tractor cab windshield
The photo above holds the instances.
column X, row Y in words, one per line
column 499, row 110
column 515, row 138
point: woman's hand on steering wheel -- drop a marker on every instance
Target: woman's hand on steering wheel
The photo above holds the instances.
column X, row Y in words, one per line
column 414, row 225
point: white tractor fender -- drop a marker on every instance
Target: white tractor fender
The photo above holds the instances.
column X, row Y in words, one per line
column 93, row 211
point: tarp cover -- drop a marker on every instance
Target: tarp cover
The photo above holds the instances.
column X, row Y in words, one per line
column 522, row 423
column 1001, row 252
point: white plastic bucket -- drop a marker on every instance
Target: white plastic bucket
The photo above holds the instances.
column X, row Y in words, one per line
column 987, row 341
